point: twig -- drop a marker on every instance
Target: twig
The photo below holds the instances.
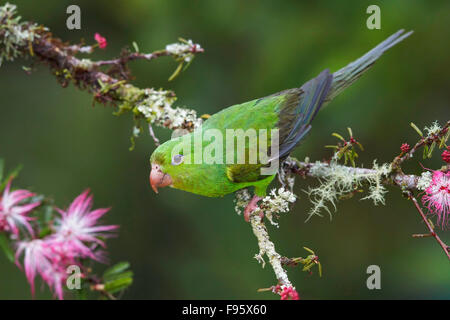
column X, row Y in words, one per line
column 152, row 134
column 429, row 226
column 422, row 142
column 138, row 56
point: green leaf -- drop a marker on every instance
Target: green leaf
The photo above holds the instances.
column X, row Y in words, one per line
column 337, row 135
column 118, row 285
column 425, row 152
column 4, row 244
column 45, row 232
column 135, row 46
column 308, row 267
column 360, row 146
column 189, row 63
column 350, row 131
column 116, row 269
column 177, row 71
column 114, row 277
column 430, row 152
column 309, row 250
column 320, row 269
column 417, row 129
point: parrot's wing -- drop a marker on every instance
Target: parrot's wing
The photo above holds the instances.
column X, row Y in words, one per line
column 299, row 110
column 244, row 172
column 296, row 109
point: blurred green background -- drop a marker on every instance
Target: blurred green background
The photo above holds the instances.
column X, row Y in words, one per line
column 183, row 246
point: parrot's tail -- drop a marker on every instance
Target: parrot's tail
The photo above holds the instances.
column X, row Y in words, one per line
column 350, row 73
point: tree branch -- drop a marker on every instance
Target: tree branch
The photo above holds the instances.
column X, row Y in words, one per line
column 321, row 170
column 266, row 247
column 112, row 86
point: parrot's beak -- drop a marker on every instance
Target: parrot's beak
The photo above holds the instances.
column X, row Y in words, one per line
column 159, row 178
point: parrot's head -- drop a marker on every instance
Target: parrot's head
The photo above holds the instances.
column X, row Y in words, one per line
column 168, row 168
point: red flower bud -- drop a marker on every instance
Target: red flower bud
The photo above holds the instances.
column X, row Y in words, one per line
column 405, row 147
column 446, row 155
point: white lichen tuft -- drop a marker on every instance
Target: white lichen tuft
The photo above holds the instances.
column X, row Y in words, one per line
column 433, row 129
column 338, row 181
column 424, row 180
column 183, row 50
column 179, row 117
column 154, row 103
column 376, row 189
column 276, row 202
column 85, row 64
column 156, row 107
column 14, row 35
column 136, row 132
column 242, row 198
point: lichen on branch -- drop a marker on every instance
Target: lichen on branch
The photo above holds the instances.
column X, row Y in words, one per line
column 107, row 80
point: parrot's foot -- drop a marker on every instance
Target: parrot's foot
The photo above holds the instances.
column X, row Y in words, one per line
column 252, row 206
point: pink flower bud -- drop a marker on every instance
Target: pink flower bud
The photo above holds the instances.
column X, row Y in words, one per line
column 100, row 40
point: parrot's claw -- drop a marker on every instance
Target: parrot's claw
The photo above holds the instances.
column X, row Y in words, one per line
column 252, row 206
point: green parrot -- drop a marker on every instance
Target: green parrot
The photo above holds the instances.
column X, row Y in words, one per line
column 179, row 164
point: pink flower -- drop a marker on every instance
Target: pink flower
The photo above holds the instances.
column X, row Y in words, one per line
column 437, row 197
column 100, row 40
column 12, row 216
column 45, row 258
column 289, row 293
column 77, row 227
column 75, row 238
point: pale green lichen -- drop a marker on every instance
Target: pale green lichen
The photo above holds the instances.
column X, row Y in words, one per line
column 376, row 189
column 85, row 64
column 424, row 180
column 267, row 247
column 337, row 181
column 174, row 118
column 242, row 198
column 156, row 107
column 14, row 35
column 276, row 202
column 154, row 102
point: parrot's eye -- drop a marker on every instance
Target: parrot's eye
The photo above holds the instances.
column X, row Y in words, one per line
column 177, row 159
